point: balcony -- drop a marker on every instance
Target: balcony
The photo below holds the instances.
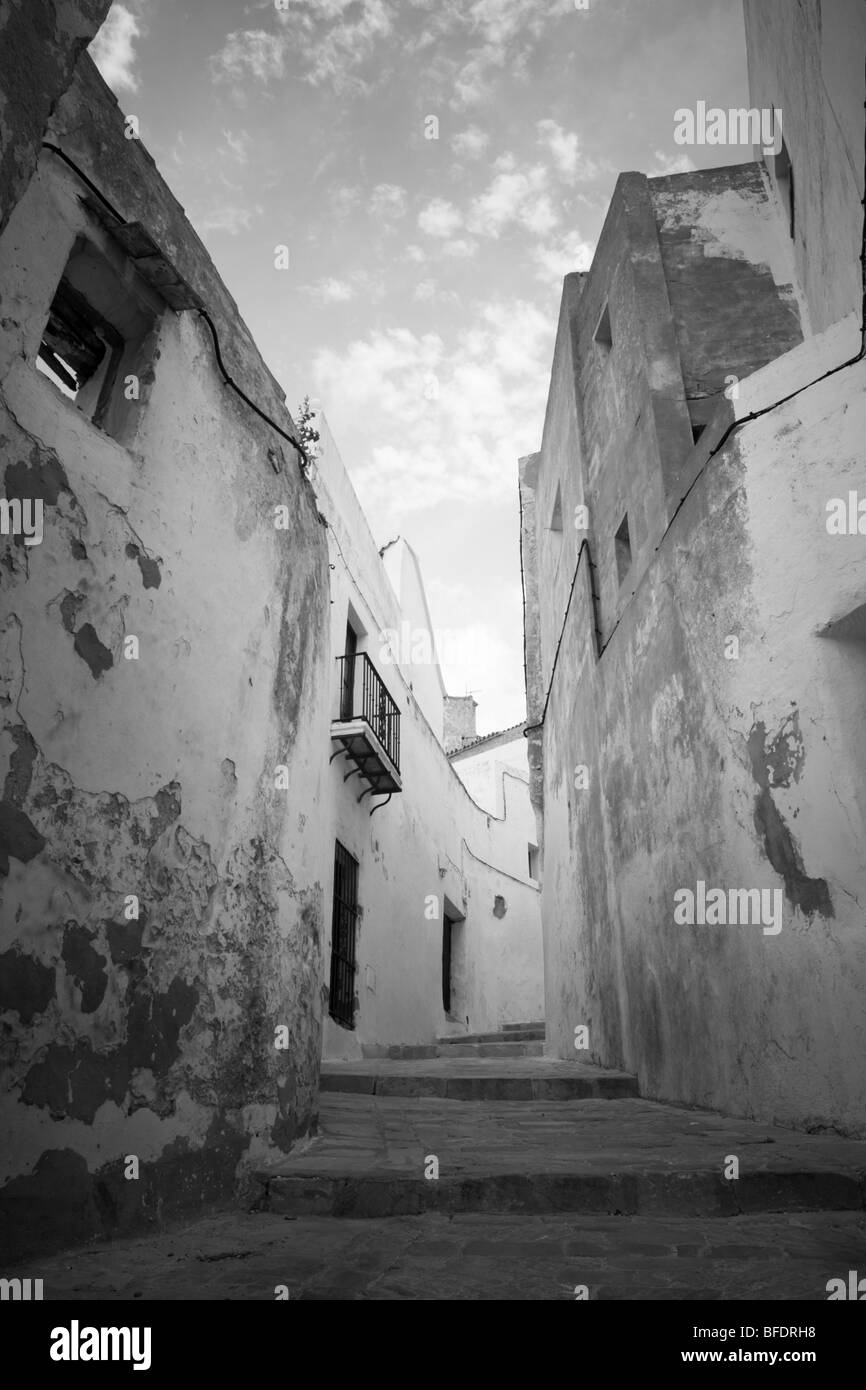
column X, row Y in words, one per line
column 367, row 727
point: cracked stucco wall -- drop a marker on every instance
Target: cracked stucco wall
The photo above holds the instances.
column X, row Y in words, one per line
column 745, row 773
column 151, row 1035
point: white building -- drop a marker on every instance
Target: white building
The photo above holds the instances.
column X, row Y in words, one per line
column 434, row 916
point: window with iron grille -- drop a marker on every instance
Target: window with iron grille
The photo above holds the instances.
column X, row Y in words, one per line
column 344, row 924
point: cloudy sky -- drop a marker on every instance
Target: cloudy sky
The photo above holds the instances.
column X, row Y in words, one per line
column 424, row 276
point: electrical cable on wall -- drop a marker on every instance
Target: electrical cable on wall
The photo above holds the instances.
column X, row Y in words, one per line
column 227, row 378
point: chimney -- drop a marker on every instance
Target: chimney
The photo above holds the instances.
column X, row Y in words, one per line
column 459, row 721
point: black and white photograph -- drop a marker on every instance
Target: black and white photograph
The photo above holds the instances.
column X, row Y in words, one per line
column 432, row 669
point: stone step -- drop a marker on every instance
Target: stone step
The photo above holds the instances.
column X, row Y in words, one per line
column 373, row 1156
column 478, row 1078
column 415, row 1052
column 669, row 1193
column 398, row 1052
column 512, row 1035
column 493, row 1049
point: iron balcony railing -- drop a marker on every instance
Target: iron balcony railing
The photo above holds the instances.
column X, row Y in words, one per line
column 363, row 696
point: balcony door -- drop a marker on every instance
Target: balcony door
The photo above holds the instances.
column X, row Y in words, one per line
column 347, row 695
column 344, row 920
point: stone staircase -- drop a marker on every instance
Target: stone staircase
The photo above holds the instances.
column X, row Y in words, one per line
column 513, row 1040
column 535, row 1135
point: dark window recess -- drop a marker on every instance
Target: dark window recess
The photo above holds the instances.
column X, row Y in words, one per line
column 348, row 684
column 697, row 431
column 556, row 514
column 447, row 928
column 603, row 335
column 622, row 544
column 97, row 343
column 784, row 173
column 533, row 861
column 76, row 343
column 344, row 927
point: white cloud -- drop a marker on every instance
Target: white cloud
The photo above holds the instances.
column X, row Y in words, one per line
column 493, row 36
column 388, row 200
column 564, row 146
column 113, row 51
column 461, row 248
column 492, row 387
column 249, row 52
column 427, row 290
column 515, row 196
column 331, row 38
column 670, row 164
column 330, row 291
column 236, row 145
column 439, row 218
column 470, row 143
column 558, row 258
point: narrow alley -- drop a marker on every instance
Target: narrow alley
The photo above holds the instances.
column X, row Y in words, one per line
column 432, row 666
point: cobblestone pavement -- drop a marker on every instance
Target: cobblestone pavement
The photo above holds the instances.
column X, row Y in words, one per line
column 533, row 1199
column 235, row 1255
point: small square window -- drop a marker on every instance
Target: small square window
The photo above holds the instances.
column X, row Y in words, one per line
column 78, row 346
column 94, row 346
column 622, row 545
column 603, row 335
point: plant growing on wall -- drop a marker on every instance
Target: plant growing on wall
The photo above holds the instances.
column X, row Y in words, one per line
column 307, row 433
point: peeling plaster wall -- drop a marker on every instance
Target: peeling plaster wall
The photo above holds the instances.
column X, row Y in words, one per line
column 744, row 773
column 807, row 61
column 430, row 841
column 151, row 1036
column 729, row 270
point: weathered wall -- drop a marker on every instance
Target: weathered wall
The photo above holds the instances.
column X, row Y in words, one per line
column 730, row 276
column 429, row 842
column 152, row 777
column 744, row 773
column 481, row 770
column 40, row 43
column 807, row 61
